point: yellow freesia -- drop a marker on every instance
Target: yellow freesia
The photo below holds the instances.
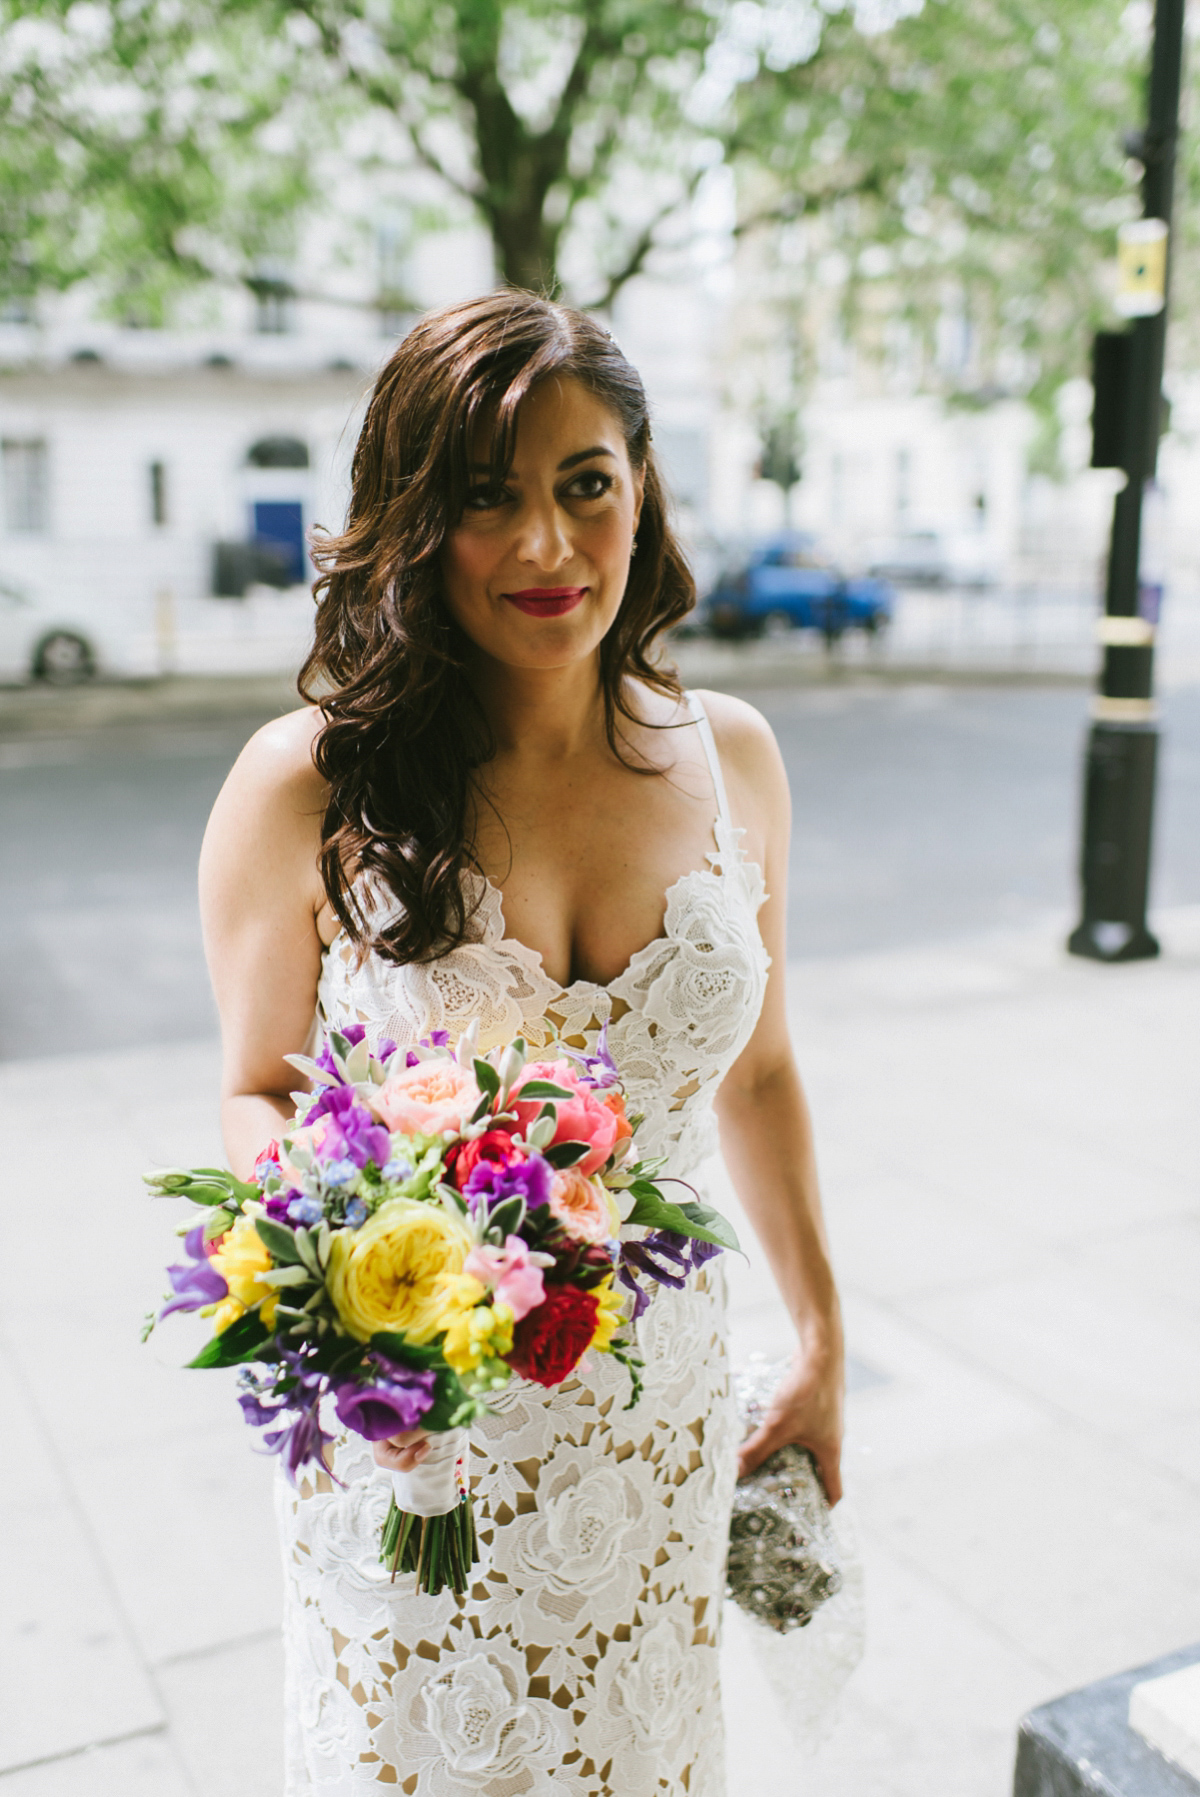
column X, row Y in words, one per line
column 390, row 1273
column 475, row 1332
column 609, row 1317
column 240, row 1259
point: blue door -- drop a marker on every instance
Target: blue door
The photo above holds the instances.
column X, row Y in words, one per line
column 279, row 523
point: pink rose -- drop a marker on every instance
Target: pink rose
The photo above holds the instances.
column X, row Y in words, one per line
column 510, row 1274
column 581, row 1118
column 581, row 1206
column 431, row 1099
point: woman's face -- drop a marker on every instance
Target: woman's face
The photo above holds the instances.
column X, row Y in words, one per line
column 535, row 570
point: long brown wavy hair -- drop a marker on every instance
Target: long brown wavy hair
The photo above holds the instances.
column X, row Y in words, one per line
column 403, row 728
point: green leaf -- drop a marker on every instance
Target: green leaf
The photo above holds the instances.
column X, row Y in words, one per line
column 279, row 1240
column 565, row 1154
column 393, row 1345
column 217, row 1222
column 699, row 1221
column 486, row 1078
column 506, row 1218
column 449, row 1397
column 242, row 1341
column 540, row 1088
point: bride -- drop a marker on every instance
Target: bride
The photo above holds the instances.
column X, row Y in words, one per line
column 499, row 807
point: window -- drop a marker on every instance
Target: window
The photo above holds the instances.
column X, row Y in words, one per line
column 158, row 492
column 274, row 302
column 278, row 452
column 26, row 484
column 904, row 483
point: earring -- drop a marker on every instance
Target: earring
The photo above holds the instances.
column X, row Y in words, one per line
column 633, row 547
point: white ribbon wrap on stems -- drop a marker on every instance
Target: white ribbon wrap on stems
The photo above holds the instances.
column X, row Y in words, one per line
column 431, row 1489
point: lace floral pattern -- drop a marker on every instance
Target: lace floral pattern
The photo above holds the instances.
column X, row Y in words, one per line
column 584, row 1658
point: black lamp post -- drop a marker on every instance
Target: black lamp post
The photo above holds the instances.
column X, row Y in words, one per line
column 1127, row 374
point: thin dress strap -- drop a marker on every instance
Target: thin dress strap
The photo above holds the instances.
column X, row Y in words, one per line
column 696, row 707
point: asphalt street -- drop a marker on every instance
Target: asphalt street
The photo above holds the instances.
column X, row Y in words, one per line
column 922, row 812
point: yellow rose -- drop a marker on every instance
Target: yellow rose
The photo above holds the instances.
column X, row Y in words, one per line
column 389, row 1273
column 609, row 1317
column 240, row 1259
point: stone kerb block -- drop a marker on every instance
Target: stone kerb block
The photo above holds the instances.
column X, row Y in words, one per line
column 1082, row 1745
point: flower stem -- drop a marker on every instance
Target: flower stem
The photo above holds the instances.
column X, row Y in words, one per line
column 440, row 1552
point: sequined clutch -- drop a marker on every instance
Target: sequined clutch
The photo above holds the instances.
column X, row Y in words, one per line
column 784, row 1560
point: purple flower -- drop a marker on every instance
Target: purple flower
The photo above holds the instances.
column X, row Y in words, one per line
column 663, row 1256
column 300, row 1437
column 196, row 1285
column 279, row 1204
column 386, row 1049
column 396, row 1401
column 491, row 1182
column 299, row 1442
column 599, row 1069
column 351, row 1131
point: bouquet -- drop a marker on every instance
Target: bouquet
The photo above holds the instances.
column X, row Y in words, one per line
column 430, row 1223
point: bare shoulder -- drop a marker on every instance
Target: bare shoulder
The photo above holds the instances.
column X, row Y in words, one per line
column 270, row 808
column 275, row 771
column 745, row 742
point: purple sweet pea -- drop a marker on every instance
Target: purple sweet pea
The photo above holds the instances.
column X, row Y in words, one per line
column 492, row 1182
column 394, row 1402
column 196, row 1285
column 386, row 1049
column 351, row 1131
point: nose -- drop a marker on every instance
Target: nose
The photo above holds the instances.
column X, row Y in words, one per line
column 543, row 541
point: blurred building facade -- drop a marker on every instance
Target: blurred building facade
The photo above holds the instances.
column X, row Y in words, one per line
column 159, row 488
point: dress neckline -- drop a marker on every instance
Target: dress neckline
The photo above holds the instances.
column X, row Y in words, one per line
column 515, row 946
column 719, row 858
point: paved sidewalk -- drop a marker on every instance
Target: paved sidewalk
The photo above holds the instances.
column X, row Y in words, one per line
column 1009, row 1144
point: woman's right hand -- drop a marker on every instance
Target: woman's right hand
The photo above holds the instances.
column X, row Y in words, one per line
column 402, row 1453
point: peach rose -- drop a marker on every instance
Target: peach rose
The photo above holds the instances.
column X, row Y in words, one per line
column 581, row 1206
column 431, row 1099
column 581, row 1118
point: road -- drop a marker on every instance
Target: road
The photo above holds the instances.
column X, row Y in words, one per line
column 922, row 813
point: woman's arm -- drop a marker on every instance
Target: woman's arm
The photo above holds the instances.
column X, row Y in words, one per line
column 261, row 900
column 766, row 1132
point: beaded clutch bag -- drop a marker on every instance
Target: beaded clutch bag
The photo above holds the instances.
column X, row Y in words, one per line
column 784, row 1559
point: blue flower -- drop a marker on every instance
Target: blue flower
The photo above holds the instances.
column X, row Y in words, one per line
column 356, row 1213
column 305, row 1210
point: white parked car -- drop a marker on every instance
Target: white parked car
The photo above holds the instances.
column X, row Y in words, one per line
column 935, row 558
column 47, row 641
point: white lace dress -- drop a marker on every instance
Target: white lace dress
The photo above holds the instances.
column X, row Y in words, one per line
column 584, row 1658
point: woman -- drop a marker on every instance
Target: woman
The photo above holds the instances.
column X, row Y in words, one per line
column 499, row 808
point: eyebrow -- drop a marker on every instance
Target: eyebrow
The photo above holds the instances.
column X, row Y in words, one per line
column 582, row 455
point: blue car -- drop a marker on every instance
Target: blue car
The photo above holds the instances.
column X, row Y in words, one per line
column 783, row 583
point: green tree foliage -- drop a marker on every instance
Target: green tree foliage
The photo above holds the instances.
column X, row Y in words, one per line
column 957, row 154
column 968, row 170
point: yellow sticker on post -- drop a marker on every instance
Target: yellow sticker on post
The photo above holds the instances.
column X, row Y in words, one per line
column 1141, row 267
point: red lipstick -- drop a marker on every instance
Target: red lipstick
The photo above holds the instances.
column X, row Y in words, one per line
column 546, row 602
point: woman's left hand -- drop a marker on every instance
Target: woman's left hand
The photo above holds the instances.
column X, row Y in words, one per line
column 806, row 1409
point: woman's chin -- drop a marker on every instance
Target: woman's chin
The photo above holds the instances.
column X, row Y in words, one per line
column 551, row 645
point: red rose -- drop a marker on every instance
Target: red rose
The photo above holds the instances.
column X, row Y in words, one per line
column 550, row 1341
column 493, row 1145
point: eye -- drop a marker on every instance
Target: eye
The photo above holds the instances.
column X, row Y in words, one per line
column 485, row 499
column 591, row 484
